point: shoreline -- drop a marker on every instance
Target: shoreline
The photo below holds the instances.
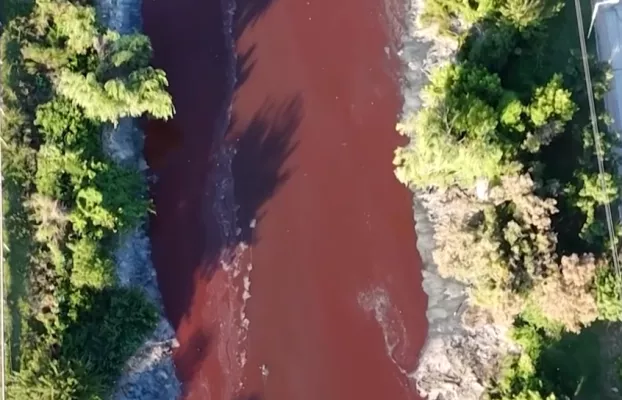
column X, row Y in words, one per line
column 150, row 372
column 447, row 367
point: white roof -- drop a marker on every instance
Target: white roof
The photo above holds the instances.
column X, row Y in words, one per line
column 608, row 29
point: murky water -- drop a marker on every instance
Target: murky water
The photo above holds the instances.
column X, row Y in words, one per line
column 284, row 245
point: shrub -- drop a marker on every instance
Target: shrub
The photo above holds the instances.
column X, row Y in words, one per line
column 65, row 126
column 72, row 22
column 491, row 44
column 105, row 329
column 91, row 265
column 608, row 292
column 60, row 173
column 50, row 218
column 115, row 200
column 456, row 127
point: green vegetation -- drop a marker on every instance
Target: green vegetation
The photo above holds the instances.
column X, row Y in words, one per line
column 63, row 77
column 504, row 139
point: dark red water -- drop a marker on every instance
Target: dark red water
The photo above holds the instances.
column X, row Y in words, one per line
column 336, row 309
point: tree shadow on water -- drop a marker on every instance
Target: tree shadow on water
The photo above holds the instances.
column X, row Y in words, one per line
column 245, row 65
column 247, row 13
column 263, row 145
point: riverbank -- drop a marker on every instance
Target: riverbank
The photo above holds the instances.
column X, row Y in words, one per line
column 76, row 205
column 317, row 293
column 150, row 372
column 498, row 340
column 457, row 360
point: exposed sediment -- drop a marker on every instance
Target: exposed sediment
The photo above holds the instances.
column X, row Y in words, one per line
column 150, row 372
column 458, row 357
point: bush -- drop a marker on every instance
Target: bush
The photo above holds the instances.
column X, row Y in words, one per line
column 115, row 200
column 608, row 292
column 60, row 172
column 50, row 218
column 91, row 266
column 105, row 329
column 451, row 15
column 65, row 126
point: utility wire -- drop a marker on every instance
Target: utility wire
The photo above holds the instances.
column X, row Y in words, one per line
column 597, row 143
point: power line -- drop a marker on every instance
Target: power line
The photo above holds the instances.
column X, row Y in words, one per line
column 597, row 143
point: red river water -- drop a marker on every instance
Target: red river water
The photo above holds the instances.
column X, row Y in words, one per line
column 284, row 246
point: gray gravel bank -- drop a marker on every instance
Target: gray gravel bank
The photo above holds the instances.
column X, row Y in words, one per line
column 150, row 373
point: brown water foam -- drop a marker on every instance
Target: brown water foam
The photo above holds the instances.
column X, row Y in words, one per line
column 336, row 308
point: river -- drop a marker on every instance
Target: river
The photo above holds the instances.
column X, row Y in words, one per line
column 284, row 246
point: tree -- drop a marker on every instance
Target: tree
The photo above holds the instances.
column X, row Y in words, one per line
column 65, row 126
column 437, row 159
column 551, row 102
column 490, row 44
column 527, row 13
column 565, row 294
column 456, row 139
column 142, row 92
column 608, row 294
column 122, row 54
column 73, row 21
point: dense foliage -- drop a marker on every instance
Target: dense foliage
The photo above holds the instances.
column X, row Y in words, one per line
column 65, row 76
column 503, row 140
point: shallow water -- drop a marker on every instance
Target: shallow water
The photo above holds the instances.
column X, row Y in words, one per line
column 284, row 245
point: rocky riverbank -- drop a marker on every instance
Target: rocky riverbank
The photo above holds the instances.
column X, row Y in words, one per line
column 462, row 350
column 150, row 373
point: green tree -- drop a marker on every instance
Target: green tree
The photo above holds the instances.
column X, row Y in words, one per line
column 527, row 13
column 65, row 126
column 142, row 92
column 608, row 294
column 72, row 22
